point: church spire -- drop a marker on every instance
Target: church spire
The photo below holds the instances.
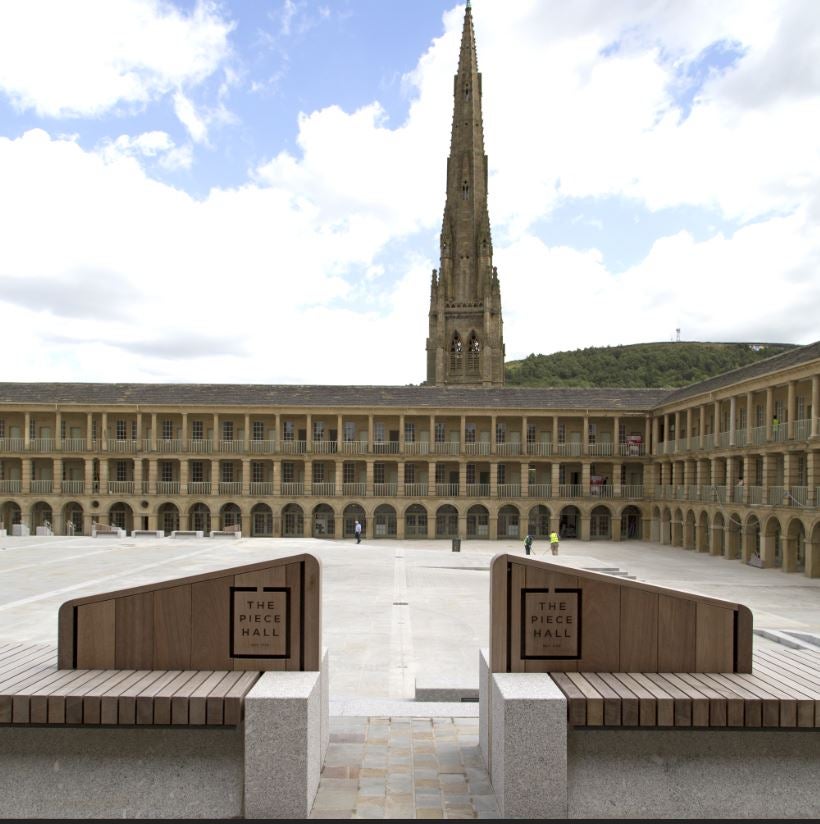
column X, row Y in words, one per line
column 465, row 344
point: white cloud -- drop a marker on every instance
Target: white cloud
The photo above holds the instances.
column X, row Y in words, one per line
column 86, row 57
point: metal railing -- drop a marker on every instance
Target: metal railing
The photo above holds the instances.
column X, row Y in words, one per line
column 542, row 449
column 385, row 490
column 229, row 447
column 293, row 487
column 723, row 439
column 356, row 489
column 511, row 448
column 709, row 441
column 168, row 487
column 262, row 447
column 200, row 446
column 571, row 449
column 12, row 444
column 600, row 449
column 798, row 496
column 415, row 490
column 230, row 487
column 169, row 445
column 477, row 490
column 570, row 490
column 120, row 487
column 508, row 490
column 354, row 447
column 123, row 445
column 293, row 447
column 323, row 447
column 780, row 432
column 775, row 495
column 740, row 437
column 199, row 488
column 802, row 429
column 447, row 490
column 755, row 496
column 602, row 491
column 680, row 492
column 757, row 435
column 628, row 450
column 632, row 491
column 477, row 448
column 539, row 491
column 73, row 487
column 41, row 445
column 416, row 447
column 41, row 486
column 386, row 448
column 73, row 444
column 693, row 492
column 261, row 488
column 446, row 447
column 324, row 488
column 10, row 486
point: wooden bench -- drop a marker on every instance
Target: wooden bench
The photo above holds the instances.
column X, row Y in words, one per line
column 783, row 691
column 34, row 691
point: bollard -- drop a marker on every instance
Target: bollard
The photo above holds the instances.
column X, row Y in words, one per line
column 456, row 544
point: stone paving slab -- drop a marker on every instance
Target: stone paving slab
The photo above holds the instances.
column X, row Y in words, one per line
column 404, row 767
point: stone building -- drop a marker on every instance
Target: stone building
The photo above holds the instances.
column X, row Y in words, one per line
column 727, row 466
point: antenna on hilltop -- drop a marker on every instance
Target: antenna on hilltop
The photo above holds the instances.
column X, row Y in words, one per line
column 677, row 331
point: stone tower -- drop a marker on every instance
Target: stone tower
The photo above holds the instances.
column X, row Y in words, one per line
column 465, row 345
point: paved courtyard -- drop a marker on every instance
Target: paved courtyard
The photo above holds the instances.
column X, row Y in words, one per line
column 393, row 611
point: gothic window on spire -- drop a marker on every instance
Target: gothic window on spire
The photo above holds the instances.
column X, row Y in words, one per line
column 473, row 353
column 465, row 190
column 466, row 91
column 456, row 352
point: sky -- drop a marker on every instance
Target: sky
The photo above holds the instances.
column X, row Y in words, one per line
column 252, row 191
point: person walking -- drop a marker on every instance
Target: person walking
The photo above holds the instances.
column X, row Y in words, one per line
column 357, row 529
column 554, row 542
column 528, row 545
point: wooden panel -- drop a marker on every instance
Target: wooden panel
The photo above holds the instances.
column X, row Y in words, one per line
column 134, row 646
column 109, row 701
column 715, row 650
column 647, row 703
column 752, row 705
column 664, row 705
column 576, row 700
column 145, row 698
column 96, row 625
column 612, row 701
column 677, row 632
column 681, row 701
column 92, row 699
column 630, row 708
column 639, row 631
column 595, row 703
column 699, row 702
column 498, row 614
column 716, row 701
column 210, row 605
column 743, row 639
column 172, row 628
column 127, row 698
column 179, row 700
column 601, row 617
column 271, row 577
column 75, row 695
column 518, row 580
column 234, row 698
column 163, row 696
column 197, row 701
column 312, row 629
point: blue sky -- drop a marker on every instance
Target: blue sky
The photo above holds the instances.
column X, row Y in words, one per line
column 252, row 191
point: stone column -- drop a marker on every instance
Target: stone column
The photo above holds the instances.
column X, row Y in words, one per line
column 369, row 480
column 677, row 431
column 493, row 434
column 184, row 433
column 647, row 434
column 152, row 476
column 732, row 413
column 585, row 434
column 815, row 404
column 340, row 434
column 493, row 480
column 247, row 440
column 702, row 425
column 57, row 476
column 617, row 470
column 214, row 476
column 370, row 433
column 769, row 412
column 730, row 479
column 138, row 477
column 525, row 479
column 689, row 426
column 401, row 439
column 140, row 444
column 88, row 466
column 750, row 416
column 555, row 475
column 653, row 448
column 27, row 431
column 716, row 425
column 184, row 466
column 246, row 478
column 462, row 477
column 217, row 437
column 58, row 430
column 616, row 435
column 104, row 476
column 585, row 491
column 104, row 434
column 790, row 411
column 554, row 433
column 584, row 527
column 89, row 430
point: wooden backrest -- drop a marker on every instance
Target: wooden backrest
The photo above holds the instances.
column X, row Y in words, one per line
column 263, row 616
column 553, row 618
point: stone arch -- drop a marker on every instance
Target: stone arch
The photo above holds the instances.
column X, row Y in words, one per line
column 323, row 521
column 772, row 549
column 73, row 518
column 446, row 521
column 509, row 522
column 795, row 547
column 10, row 514
column 718, row 538
column 752, row 549
column 677, row 528
column 478, row 522
column 120, row 514
column 813, row 552
column 538, row 521
column 600, row 523
column 733, row 537
column 655, row 528
column 702, row 533
column 293, row 521
column 351, row 514
column 230, row 515
column 385, row 522
column 168, row 517
column 42, row 515
column 199, row 517
column 631, row 523
column 569, row 522
column 415, row 521
column 261, row 521
column 689, row 530
column 666, row 526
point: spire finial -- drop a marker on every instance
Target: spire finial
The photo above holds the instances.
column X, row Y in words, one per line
column 468, row 5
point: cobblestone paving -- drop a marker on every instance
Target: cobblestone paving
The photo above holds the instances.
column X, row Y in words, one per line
column 404, row 768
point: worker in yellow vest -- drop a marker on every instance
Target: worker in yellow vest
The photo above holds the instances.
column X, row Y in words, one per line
column 554, row 542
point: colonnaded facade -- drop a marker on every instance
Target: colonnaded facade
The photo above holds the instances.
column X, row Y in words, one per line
column 727, row 466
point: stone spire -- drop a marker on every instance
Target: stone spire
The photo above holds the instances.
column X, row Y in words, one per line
column 465, row 345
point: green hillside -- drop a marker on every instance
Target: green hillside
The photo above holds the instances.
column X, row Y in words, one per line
column 638, row 365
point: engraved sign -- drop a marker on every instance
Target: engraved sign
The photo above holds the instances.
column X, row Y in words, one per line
column 260, row 622
column 551, row 623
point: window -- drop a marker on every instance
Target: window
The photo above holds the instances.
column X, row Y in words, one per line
column 197, row 430
column 378, row 473
column 349, row 473
column 759, row 415
column 778, row 411
column 62, row 430
column 378, row 432
column 226, row 472
column 441, row 433
column 93, row 430
column 287, row 470
column 318, row 472
column 530, row 433
column 120, row 430
column 470, row 473
column 122, row 470
column 410, row 473
column 801, row 408
column 592, row 432
column 257, row 471
column 469, row 433
column 500, row 432
column 197, row 472
column 287, row 430
column 441, row 473
column 227, row 430
column 532, row 474
column 501, row 475
column 562, row 474
column 167, row 430
column 133, row 430
column 318, row 431
column 562, row 433
column 32, row 428
column 166, row 471
column 349, row 431
column 2, row 427
column 258, row 431
column 410, row 432
column 621, row 433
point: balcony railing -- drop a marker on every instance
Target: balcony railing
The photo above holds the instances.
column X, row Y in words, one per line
column 386, row 490
column 323, row 488
column 446, row 447
column 738, row 491
column 124, row 445
column 230, row 447
column 261, row 488
column 261, row 447
column 386, row 447
column 169, row 445
column 602, row 491
column 539, row 490
column 230, row 487
column 798, row 496
column 415, row 490
column 478, row 490
column 723, row 439
column 73, row 487
column 683, row 444
column 755, row 495
column 632, row 491
column 447, row 490
column 199, row 488
column 512, row 448
column 680, row 492
column 354, row 447
column 200, row 446
column 600, row 449
column 414, row 447
column 740, row 437
column 41, row 486
column 780, row 432
column 168, row 487
column 570, row 491
column 709, row 441
column 10, row 486
column 542, row 449
column 293, row 447
column 477, row 448
column 120, row 487
column 802, row 429
column 629, row 450
column 571, row 449
column 775, row 495
column 323, row 447
column 669, row 446
column 42, row 445
column 356, row 489
column 73, row 444
column 293, row 487
column 757, row 435
column 12, row 444
column 508, row 490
